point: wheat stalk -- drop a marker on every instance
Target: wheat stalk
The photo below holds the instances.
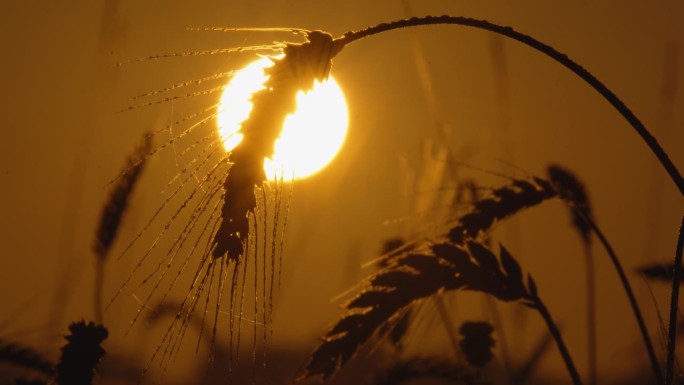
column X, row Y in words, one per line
column 551, row 52
column 112, row 213
column 503, row 203
column 417, row 275
column 573, row 192
column 296, row 70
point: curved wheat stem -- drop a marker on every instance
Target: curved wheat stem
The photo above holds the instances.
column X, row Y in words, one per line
column 561, row 58
column 630, row 294
column 544, row 312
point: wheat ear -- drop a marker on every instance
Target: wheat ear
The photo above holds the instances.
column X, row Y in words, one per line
column 573, row 192
column 81, row 354
column 418, row 275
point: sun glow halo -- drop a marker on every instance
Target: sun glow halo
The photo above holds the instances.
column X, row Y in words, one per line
column 311, row 137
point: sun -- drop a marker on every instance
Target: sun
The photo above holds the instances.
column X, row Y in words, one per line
column 310, row 138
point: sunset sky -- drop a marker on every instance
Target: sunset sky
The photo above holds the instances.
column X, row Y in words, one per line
column 428, row 107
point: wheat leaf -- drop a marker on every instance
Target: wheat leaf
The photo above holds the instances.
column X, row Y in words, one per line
column 532, row 286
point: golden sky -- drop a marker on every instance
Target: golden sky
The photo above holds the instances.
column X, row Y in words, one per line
column 413, row 96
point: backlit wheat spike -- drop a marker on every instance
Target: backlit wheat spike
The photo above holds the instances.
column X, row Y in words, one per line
column 501, row 204
column 118, row 200
column 417, row 275
column 235, row 231
column 294, row 72
column 411, row 277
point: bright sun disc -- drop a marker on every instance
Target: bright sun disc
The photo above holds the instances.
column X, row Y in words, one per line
column 311, row 137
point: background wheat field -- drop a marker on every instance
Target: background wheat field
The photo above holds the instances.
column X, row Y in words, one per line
column 428, row 107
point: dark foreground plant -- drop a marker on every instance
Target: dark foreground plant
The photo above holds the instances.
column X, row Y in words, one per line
column 463, row 261
column 78, row 361
column 575, row 195
column 228, row 223
column 81, row 354
column 418, row 275
column 112, row 214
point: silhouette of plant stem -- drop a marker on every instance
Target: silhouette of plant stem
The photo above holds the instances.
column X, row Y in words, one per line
column 574, row 194
column 544, row 312
column 97, row 292
column 591, row 313
column 628, row 290
column 532, row 361
column 541, row 47
column 672, row 335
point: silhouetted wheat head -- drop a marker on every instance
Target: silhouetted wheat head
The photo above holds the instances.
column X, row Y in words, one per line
column 117, row 203
column 503, row 202
column 78, row 361
column 82, row 353
column 296, row 71
column 412, row 277
column 459, row 261
column 575, row 195
column 224, row 226
column 236, row 217
column 573, row 192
